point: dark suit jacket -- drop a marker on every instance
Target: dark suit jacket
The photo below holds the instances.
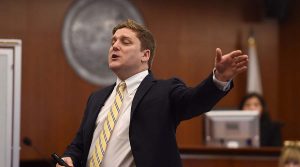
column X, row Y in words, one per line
column 270, row 131
column 157, row 109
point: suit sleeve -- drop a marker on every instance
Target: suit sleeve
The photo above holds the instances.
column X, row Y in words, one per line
column 75, row 149
column 190, row 102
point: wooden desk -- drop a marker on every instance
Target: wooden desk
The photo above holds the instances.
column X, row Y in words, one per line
column 225, row 157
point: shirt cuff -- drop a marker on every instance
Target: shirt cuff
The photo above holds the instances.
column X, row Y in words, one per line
column 224, row 86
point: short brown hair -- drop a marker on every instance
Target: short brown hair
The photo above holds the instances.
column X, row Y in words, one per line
column 143, row 34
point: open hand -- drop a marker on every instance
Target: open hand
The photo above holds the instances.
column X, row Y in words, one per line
column 229, row 65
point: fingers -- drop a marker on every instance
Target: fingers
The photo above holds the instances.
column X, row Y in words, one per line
column 235, row 53
column 242, row 64
column 68, row 160
column 218, row 55
column 240, row 59
column 241, row 69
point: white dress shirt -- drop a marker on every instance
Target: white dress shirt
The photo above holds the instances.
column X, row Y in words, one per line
column 118, row 151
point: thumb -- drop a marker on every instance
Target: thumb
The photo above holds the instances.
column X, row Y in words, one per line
column 218, row 55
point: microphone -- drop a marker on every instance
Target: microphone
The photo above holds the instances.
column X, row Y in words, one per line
column 27, row 141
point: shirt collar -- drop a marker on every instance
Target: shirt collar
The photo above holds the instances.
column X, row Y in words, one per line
column 133, row 82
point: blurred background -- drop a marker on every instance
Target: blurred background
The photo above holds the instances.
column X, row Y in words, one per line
column 187, row 33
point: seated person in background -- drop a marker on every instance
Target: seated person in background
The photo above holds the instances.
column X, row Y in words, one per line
column 270, row 132
column 290, row 155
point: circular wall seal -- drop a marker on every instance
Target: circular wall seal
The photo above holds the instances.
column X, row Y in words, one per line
column 86, row 36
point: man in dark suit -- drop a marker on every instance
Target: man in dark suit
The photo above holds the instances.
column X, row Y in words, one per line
column 133, row 122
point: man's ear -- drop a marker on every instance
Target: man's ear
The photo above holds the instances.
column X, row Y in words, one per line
column 146, row 55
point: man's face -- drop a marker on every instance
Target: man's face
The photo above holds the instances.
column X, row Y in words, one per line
column 125, row 53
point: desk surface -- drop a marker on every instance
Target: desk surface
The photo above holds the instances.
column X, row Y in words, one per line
column 249, row 151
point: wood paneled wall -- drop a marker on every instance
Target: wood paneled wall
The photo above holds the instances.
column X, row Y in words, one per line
column 53, row 96
column 289, row 77
column 187, row 34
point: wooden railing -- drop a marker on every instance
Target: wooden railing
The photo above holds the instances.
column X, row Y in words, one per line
column 226, row 157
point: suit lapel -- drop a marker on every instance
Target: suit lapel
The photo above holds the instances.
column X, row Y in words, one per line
column 101, row 98
column 141, row 91
column 99, row 101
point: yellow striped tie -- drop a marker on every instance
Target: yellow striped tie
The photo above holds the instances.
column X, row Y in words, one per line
column 108, row 126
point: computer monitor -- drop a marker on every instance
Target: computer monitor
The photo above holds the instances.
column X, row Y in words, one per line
column 232, row 128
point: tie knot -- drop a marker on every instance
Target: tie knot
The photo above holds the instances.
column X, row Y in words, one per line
column 122, row 86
